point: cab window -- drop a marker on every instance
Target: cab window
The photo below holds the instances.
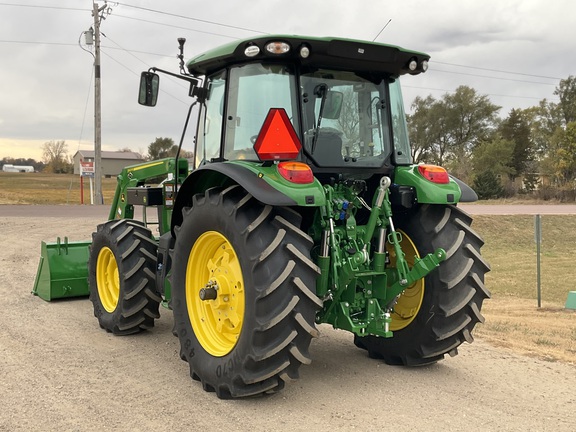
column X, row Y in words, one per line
column 253, row 90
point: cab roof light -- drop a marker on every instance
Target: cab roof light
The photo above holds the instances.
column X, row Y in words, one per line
column 277, row 139
column 434, row 173
column 296, row 172
column 251, row 51
column 277, row 47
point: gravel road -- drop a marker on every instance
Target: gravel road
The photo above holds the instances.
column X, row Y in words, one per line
column 60, row 372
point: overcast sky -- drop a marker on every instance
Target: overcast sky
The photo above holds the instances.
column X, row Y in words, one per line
column 513, row 51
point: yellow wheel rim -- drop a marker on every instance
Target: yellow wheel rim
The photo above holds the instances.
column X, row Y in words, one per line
column 217, row 323
column 107, row 279
column 410, row 300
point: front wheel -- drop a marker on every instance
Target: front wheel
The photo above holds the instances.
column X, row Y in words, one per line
column 437, row 314
column 243, row 293
column 121, row 269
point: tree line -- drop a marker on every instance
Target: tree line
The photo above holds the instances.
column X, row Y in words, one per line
column 530, row 151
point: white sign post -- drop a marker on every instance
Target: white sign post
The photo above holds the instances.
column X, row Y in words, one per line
column 87, row 170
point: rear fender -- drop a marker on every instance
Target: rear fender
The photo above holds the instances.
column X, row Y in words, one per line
column 427, row 192
column 262, row 182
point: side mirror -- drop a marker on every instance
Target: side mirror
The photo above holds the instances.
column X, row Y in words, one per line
column 149, row 84
column 333, row 105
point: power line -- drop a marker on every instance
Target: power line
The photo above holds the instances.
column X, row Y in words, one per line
column 37, row 43
column 492, row 77
column 131, row 53
column 45, row 7
column 121, row 48
column 190, row 18
column 174, row 26
column 121, row 64
column 134, row 73
column 136, row 51
column 497, row 70
column 86, row 107
column 71, row 44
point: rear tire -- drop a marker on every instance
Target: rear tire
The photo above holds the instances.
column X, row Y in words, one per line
column 453, row 293
column 121, row 267
column 255, row 334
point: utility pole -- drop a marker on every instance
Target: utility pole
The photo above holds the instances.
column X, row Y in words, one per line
column 99, row 199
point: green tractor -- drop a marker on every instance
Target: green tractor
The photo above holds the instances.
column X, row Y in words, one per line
column 302, row 206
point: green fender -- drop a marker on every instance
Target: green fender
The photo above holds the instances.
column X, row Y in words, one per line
column 263, row 182
column 427, row 192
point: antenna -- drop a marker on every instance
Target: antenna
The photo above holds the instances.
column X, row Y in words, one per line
column 379, row 33
column 181, row 42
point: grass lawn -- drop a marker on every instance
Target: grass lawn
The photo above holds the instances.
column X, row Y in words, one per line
column 513, row 318
column 41, row 188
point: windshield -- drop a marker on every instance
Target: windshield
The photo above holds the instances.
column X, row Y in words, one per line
column 344, row 119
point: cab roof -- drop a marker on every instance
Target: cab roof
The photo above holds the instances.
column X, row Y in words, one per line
column 327, row 52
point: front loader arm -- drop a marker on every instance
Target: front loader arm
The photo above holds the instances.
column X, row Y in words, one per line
column 138, row 176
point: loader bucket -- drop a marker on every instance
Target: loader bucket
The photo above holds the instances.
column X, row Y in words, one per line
column 63, row 270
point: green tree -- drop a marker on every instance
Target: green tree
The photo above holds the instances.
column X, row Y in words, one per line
column 162, row 148
column 516, row 129
column 470, row 119
column 55, row 156
column 446, row 131
column 495, row 155
column 561, row 160
column 566, row 91
column 543, row 120
column 531, row 178
column 487, row 185
column 422, row 130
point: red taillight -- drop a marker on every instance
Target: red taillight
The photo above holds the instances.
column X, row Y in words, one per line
column 434, row 173
column 296, row 172
column 277, row 139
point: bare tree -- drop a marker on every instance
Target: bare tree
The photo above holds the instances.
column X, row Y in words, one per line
column 55, row 156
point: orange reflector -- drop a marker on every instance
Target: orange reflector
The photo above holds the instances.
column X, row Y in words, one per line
column 277, row 139
column 434, row 173
column 296, row 172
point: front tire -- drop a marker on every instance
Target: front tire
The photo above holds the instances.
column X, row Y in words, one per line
column 438, row 313
column 121, row 272
column 252, row 330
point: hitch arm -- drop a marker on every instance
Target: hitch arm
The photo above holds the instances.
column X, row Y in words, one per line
column 420, row 270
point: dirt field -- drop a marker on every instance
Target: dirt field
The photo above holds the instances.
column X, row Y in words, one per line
column 59, row 371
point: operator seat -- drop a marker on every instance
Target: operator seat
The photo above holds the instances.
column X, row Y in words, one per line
column 328, row 149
